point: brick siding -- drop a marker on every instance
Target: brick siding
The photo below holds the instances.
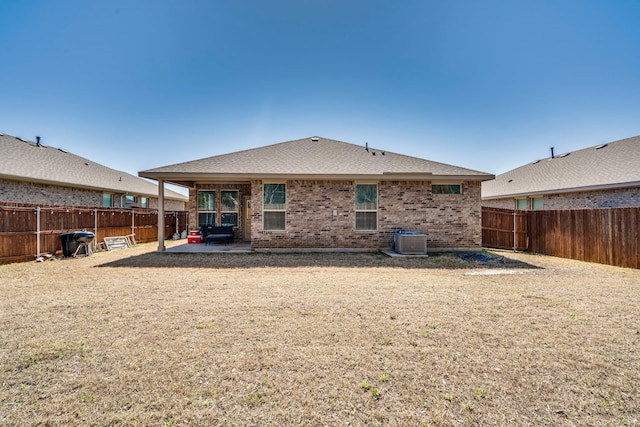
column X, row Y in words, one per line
column 500, row 203
column 169, row 205
column 614, row 198
column 28, row 192
column 449, row 221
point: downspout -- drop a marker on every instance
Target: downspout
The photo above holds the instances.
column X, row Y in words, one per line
column 161, row 215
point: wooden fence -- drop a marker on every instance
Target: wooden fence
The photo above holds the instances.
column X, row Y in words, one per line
column 27, row 231
column 607, row 236
column 504, row 229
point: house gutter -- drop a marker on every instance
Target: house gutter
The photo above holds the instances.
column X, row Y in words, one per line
column 174, row 177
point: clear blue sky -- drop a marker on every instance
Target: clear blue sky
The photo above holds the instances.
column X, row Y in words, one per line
column 487, row 85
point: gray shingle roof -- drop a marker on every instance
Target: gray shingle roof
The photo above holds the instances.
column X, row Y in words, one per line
column 22, row 160
column 313, row 157
column 616, row 164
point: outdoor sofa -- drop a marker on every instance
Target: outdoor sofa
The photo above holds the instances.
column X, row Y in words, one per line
column 211, row 233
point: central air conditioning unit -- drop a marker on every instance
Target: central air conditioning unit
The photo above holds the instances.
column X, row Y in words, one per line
column 410, row 242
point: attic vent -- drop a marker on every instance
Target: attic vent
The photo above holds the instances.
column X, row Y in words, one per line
column 563, row 155
column 23, row 140
column 315, row 139
column 537, row 161
column 510, row 180
column 601, row 146
column 60, row 149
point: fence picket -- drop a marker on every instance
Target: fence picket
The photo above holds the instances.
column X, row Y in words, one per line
column 28, row 230
column 606, row 236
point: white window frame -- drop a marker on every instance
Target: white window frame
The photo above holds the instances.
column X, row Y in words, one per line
column 365, row 210
column 266, row 209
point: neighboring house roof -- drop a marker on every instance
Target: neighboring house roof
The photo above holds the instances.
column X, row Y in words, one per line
column 612, row 165
column 22, row 160
column 312, row 158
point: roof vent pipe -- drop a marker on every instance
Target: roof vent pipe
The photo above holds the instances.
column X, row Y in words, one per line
column 552, row 156
column 38, row 141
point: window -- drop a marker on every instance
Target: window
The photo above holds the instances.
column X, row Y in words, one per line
column 522, row 205
column 206, row 208
column 107, row 200
column 536, row 203
column 130, row 199
column 229, row 208
column 446, row 189
column 274, row 207
column 366, row 207
column 144, row 202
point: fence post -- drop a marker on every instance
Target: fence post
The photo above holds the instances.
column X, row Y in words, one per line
column 38, row 230
column 514, row 231
column 95, row 229
column 133, row 222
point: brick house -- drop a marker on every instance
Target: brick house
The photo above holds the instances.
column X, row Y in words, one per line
column 31, row 172
column 604, row 176
column 318, row 193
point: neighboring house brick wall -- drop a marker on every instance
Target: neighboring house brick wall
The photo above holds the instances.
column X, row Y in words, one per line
column 169, row 205
column 27, row 192
column 450, row 221
column 615, row 198
column 46, row 194
column 500, row 203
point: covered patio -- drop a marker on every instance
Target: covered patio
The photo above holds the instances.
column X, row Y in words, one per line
column 236, row 247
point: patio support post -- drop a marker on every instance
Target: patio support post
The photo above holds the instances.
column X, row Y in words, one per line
column 161, row 215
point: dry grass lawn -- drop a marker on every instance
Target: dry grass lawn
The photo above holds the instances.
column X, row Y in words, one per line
column 145, row 339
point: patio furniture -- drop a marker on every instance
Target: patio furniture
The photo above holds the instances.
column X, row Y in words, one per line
column 212, row 234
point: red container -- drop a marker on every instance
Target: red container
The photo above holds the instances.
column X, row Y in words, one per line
column 194, row 233
column 194, row 239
